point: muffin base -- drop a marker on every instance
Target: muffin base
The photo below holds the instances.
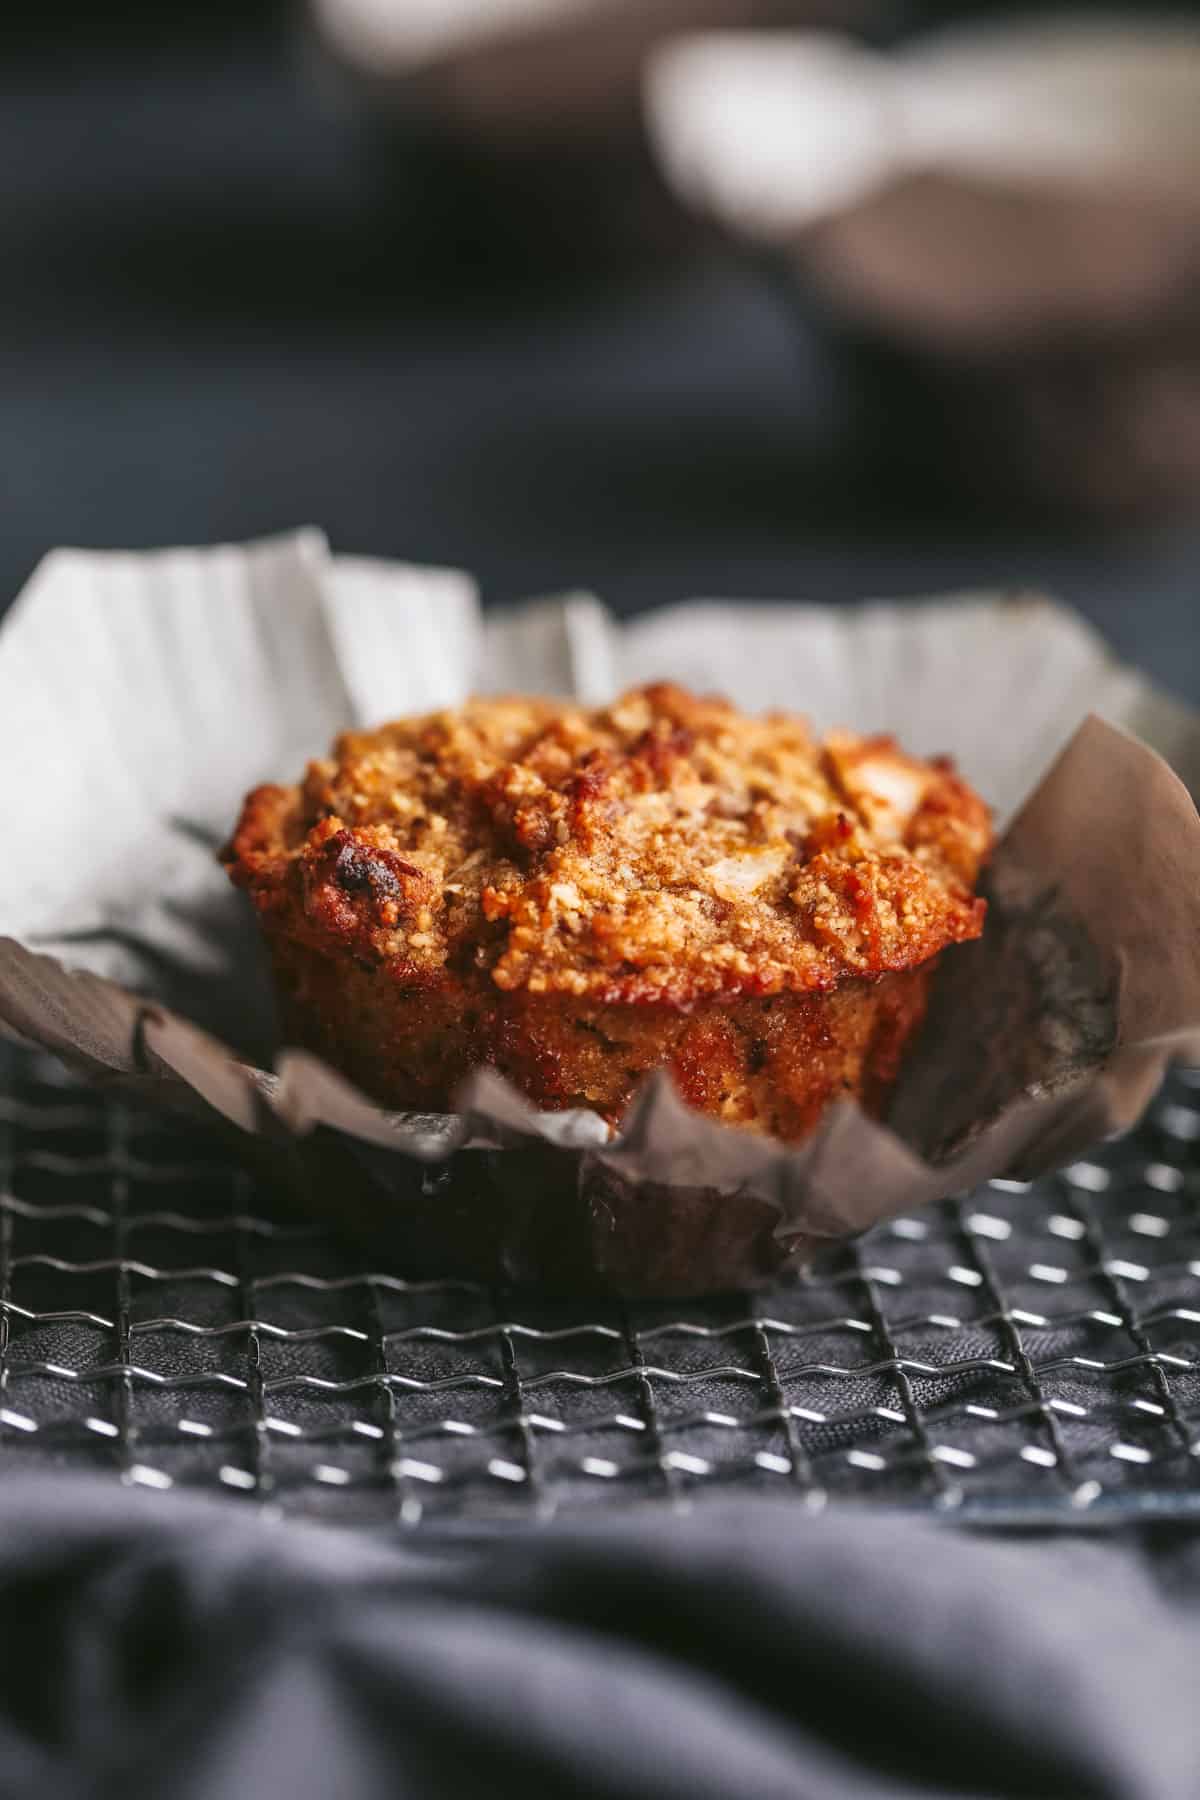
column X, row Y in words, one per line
column 772, row 1062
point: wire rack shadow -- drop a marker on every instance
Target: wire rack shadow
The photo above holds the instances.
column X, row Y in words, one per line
column 1023, row 1352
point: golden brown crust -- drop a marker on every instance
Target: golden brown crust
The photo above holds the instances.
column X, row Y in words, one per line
column 498, row 881
column 773, row 1062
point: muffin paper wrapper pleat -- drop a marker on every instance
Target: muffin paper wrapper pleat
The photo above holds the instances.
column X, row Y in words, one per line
column 141, row 695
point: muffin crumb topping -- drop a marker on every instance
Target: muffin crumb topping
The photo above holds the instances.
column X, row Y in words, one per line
column 664, row 849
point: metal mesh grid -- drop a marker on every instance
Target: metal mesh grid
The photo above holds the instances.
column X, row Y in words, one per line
column 1025, row 1350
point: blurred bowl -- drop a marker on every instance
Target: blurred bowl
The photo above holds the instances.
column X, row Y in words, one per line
column 527, row 113
column 536, row 73
column 1011, row 214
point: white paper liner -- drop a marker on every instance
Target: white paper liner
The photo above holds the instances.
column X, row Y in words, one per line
column 141, row 695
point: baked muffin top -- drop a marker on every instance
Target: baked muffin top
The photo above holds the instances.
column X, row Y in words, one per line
column 665, row 848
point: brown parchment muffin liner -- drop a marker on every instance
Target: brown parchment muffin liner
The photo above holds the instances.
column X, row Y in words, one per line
column 1050, row 1032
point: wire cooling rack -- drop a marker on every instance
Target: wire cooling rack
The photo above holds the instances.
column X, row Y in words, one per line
column 1023, row 1352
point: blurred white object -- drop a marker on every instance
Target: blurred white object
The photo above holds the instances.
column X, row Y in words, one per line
column 515, row 71
column 411, row 32
column 982, row 185
column 534, row 70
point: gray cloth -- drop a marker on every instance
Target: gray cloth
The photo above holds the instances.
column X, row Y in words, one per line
column 166, row 1645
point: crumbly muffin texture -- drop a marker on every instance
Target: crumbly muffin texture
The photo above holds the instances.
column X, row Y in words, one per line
column 571, row 894
column 663, row 848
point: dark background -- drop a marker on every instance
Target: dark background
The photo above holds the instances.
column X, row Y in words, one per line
column 232, row 302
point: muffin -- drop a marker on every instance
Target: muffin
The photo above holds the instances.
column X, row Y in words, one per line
column 577, row 897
